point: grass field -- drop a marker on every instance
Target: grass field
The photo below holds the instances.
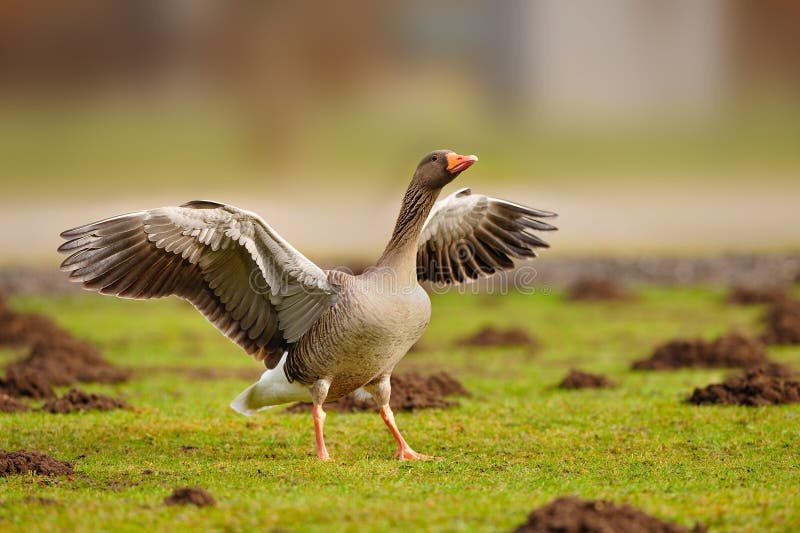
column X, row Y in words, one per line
column 514, row 445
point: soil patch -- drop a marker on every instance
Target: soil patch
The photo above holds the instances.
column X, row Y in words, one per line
column 78, row 400
column 776, row 370
column 783, row 323
column 728, row 351
column 490, row 336
column 11, row 405
column 26, row 382
column 18, row 329
column 63, row 360
column 755, row 387
column 572, row 515
column 22, row 462
column 190, row 495
column 746, row 295
column 595, row 290
column 410, row 391
column 577, row 379
column 55, row 358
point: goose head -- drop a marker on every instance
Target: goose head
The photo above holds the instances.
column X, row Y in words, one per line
column 439, row 168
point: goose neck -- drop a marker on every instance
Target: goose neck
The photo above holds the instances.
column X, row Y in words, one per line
column 401, row 251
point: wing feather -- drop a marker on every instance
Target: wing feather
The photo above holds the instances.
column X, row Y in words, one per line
column 233, row 267
column 468, row 236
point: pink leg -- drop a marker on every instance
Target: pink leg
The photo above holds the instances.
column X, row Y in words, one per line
column 319, row 421
column 404, row 451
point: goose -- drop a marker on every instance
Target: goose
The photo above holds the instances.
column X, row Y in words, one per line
column 320, row 334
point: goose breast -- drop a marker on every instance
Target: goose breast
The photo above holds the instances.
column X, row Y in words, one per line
column 363, row 336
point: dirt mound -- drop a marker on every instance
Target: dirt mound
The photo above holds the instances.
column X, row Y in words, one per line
column 776, row 370
column 56, row 357
column 444, row 383
column 78, row 400
column 728, row 351
column 756, row 387
column 577, row 379
column 783, row 323
column 63, row 360
column 190, row 495
column 409, row 391
column 18, row 329
column 573, row 515
column 21, row 381
column 595, row 290
column 414, row 391
column 746, row 295
column 490, row 336
column 11, row 405
column 22, row 462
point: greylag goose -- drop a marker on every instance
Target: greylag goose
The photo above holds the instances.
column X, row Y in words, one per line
column 321, row 334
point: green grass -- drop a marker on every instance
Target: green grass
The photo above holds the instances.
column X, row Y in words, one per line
column 515, row 445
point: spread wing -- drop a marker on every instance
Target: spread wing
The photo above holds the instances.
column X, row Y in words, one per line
column 467, row 236
column 233, row 267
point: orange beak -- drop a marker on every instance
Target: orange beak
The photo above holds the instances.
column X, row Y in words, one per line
column 457, row 163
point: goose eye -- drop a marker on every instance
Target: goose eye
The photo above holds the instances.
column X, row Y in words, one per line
column 434, row 158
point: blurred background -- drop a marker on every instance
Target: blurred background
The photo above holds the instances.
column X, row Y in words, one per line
column 651, row 126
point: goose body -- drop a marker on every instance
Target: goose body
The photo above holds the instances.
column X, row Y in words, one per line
column 356, row 342
column 321, row 334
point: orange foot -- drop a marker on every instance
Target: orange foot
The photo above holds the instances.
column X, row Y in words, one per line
column 407, row 454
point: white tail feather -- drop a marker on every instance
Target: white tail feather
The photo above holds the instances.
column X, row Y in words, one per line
column 272, row 389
